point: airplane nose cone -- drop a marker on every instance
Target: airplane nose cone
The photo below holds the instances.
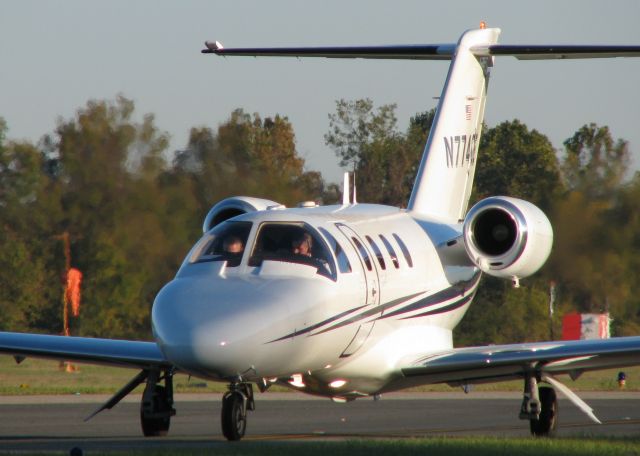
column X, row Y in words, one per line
column 188, row 316
column 218, row 329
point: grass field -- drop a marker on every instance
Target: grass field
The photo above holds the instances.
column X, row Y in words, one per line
column 34, row 376
column 432, row 446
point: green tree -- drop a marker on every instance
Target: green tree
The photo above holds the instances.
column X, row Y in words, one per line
column 247, row 156
column 355, row 126
column 108, row 170
column 22, row 280
column 25, row 297
column 515, row 161
column 384, row 160
column 593, row 259
column 594, row 162
column 501, row 314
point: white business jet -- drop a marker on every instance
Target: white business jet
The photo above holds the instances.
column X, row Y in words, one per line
column 355, row 300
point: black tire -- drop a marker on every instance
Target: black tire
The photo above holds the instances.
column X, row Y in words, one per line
column 545, row 425
column 153, row 426
column 233, row 417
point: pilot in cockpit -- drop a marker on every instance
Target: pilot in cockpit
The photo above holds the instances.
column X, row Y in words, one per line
column 302, row 245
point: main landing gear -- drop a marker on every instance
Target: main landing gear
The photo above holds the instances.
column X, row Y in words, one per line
column 235, row 404
column 156, row 408
column 540, row 407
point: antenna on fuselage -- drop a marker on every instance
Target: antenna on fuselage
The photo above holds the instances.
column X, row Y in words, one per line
column 345, row 189
column 355, row 201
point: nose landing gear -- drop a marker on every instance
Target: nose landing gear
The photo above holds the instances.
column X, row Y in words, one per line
column 235, row 404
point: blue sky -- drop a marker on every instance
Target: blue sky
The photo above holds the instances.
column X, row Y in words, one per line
column 56, row 55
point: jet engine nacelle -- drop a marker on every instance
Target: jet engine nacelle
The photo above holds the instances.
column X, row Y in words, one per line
column 233, row 206
column 507, row 237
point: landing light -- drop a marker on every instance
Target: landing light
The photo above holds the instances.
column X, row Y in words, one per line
column 337, row 383
column 296, row 380
column 483, row 25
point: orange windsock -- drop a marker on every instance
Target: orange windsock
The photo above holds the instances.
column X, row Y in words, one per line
column 74, row 278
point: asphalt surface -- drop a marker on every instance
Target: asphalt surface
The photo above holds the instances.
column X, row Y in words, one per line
column 55, row 423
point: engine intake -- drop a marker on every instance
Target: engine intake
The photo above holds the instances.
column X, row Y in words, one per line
column 233, row 206
column 507, row 237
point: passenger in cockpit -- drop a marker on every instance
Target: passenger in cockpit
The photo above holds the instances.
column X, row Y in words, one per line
column 302, row 245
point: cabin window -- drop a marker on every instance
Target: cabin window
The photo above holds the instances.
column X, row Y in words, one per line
column 405, row 250
column 377, row 252
column 225, row 242
column 343, row 262
column 392, row 253
column 363, row 253
column 292, row 243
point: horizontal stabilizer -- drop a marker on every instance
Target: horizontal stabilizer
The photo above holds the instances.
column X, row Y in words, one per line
column 557, row 51
column 432, row 51
column 410, row 51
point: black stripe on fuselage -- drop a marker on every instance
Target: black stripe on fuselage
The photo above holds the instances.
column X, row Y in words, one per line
column 453, row 306
column 429, row 301
column 368, row 313
column 317, row 325
column 436, row 298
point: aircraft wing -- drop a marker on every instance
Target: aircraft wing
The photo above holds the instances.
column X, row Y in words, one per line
column 123, row 353
column 505, row 362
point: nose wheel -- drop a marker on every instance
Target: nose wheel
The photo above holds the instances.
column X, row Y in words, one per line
column 235, row 404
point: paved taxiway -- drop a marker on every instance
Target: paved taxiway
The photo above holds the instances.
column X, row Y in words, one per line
column 56, row 422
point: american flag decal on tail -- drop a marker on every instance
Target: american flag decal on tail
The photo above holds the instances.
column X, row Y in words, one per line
column 467, row 112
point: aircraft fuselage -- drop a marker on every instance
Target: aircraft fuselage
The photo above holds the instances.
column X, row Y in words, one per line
column 339, row 326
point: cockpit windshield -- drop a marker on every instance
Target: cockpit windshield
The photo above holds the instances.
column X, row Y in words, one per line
column 292, row 243
column 225, row 242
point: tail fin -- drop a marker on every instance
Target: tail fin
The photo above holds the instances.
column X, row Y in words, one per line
column 445, row 177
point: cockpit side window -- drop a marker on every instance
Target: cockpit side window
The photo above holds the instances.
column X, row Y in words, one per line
column 292, row 243
column 343, row 262
column 225, row 242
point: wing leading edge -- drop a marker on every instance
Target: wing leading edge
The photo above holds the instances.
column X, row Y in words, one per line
column 124, row 353
column 505, row 362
